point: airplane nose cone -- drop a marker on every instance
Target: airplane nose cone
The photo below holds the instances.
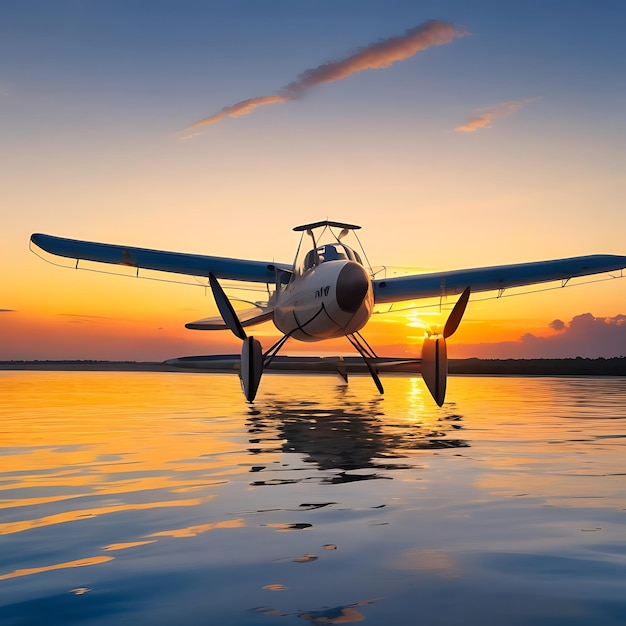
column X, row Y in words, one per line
column 352, row 285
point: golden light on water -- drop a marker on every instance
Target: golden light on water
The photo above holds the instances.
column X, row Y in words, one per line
column 126, row 545
column 9, row 528
column 183, row 458
column 192, row 531
column 96, row 560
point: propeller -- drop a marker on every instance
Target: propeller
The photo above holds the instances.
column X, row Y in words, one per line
column 454, row 319
column 251, row 364
column 226, row 308
column 435, row 355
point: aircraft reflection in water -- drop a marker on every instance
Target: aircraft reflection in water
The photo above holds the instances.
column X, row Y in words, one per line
column 346, row 614
column 355, row 437
column 329, row 291
column 335, row 443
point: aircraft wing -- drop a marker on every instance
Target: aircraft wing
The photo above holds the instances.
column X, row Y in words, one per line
column 175, row 262
column 498, row 277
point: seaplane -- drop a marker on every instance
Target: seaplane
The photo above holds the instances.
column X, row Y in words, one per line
column 329, row 291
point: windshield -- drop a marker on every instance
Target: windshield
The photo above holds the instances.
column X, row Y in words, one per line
column 329, row 252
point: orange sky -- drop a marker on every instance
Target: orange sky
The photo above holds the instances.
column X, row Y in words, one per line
column 466, row 150
column 84, row 315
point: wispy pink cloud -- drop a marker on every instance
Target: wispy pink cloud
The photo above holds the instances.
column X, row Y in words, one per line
column 240, row 108
column 375, row 56
column 483, row 117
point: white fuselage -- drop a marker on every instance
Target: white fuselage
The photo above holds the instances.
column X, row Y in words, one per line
column 332, row 299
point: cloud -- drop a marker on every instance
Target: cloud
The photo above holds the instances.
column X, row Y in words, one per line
column 585, row 335
column 557, row 325
column 483, row 117
column 375, row 56
column 7, row 310
column 239, row 108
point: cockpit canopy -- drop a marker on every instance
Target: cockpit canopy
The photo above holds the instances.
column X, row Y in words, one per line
column 327, row 245
column 329, row 252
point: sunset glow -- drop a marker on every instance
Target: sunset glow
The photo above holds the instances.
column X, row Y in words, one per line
column 452, row 144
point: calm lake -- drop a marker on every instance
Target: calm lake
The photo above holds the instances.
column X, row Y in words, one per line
column 163, row 498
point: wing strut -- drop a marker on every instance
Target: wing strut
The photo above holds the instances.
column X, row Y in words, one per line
column 269, row 355
column 364, row 349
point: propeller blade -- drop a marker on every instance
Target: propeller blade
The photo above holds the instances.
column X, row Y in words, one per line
column 226, row 308
column 435, row 367
column 454, row 319
column 435, row 352
column 251, row 367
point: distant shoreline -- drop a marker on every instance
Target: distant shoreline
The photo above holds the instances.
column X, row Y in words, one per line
column 505, row 367
column 89, row 366
column 540, row 367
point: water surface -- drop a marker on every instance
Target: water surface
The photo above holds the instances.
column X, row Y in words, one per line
column 164, row 498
